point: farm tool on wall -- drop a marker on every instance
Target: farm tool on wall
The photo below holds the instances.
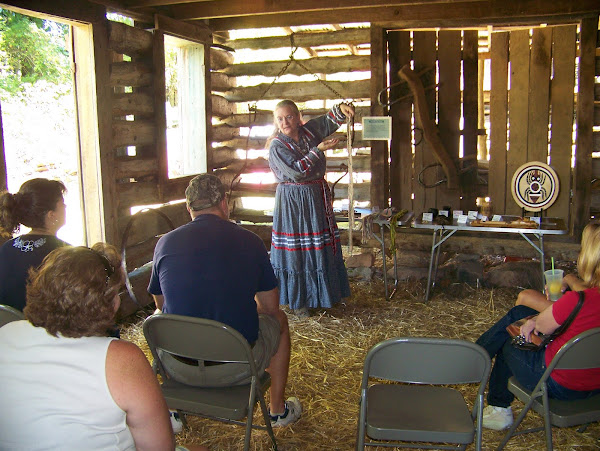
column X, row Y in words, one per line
column 414, row 85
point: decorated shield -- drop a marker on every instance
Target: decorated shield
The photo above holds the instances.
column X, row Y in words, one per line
column 535, row 186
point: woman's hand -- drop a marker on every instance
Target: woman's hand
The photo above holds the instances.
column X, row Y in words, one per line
column 573, row 282
column 528, row 328
column 348, row 110
column 327, row 144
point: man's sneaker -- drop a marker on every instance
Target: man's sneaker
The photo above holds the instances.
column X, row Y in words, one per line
column 293, row 410
column 497, row 418
column 176, row 422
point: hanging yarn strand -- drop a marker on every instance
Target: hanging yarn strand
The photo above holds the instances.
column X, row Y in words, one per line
column 350, row 135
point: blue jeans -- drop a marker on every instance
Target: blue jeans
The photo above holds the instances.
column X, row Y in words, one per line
column 527, row 366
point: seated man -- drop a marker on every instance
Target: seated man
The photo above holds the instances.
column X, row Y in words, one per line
column 212, row 268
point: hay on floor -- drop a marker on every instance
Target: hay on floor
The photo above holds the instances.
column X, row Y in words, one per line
column 328, row 351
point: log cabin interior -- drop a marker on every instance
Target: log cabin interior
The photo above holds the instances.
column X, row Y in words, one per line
column 504, row 82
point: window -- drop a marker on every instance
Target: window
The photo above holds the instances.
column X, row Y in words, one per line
column 185, row 107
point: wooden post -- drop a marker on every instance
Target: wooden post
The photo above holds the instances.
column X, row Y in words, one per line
column 562, row 107
column 539, row 94
column 379, row 150
column 470, row 67
column 401, row 155
column 585, row 121
column 3, row 174
column 498, row 179
column 518, row 110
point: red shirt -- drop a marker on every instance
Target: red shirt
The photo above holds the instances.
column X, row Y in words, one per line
column 587, row 318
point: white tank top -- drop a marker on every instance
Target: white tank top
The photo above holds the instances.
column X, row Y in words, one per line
column 54, row 395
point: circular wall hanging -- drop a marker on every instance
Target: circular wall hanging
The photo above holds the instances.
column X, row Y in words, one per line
column 535, row 186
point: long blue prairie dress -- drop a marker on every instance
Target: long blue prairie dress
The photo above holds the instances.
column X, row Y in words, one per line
column 306, row 252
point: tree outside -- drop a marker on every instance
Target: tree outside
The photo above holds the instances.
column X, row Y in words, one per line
column 38, row 109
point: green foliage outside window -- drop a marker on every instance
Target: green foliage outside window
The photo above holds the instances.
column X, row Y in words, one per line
column 31, row 50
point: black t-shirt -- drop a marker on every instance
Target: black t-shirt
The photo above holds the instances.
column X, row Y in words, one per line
column 16, row 257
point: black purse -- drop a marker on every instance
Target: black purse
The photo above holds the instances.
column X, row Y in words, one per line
column 540, row 341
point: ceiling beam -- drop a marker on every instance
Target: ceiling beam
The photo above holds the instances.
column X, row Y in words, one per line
column 238, row 8
column 135, row 4
column 470, row 13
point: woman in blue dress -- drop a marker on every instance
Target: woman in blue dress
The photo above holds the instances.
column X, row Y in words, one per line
column 305, row 246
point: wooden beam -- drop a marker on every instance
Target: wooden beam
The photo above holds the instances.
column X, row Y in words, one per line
column 401, row 155
column 240, row 8
column 133, row 133
column 539, row 94
column 585, row 116
column 306, row 90
column 470, row 120
column 498, row 185
column 562, row 107
column 379, row 149
column 459, row 14
column 129, row 40
column 323, row 65
column 195, row 32
column 80, row 11
column 303, row 39
column 128, row 73
column 265, row 117
column 449, row 107
column 136, row 103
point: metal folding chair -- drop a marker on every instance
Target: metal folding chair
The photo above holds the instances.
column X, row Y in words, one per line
column 420, row 409
column 8, row 314
column 580, row 352
column 207, row 340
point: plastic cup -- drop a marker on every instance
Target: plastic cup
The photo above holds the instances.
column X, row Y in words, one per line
column 554, row 279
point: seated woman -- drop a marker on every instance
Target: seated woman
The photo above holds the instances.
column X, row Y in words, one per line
column 39, row 205
column 539, row 301
column 65, row 385
column 527, row 366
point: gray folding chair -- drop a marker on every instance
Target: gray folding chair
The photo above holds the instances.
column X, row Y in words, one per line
column 8, row 314
column 580, row 352
column 420, row 410
column 207, row 340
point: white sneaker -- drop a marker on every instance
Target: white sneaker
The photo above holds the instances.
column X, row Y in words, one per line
column 497, row 418
column 176, row 422
column 293, row 410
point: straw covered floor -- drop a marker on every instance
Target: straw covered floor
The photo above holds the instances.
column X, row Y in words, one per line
column 328, row 350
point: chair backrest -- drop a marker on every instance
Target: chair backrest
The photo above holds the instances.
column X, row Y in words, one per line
column 580, row 352
column 196, row 338
column 427, row 361
column 9, row 314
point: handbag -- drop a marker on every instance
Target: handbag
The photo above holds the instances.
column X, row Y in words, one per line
column 540, row 341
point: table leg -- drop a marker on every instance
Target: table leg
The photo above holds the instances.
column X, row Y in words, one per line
column 433, row 246
column 543, row 260
column 383, row 257
column 395, row 274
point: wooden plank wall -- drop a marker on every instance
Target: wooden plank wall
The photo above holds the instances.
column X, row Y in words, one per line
column 414, row 172
column 232, row 103
column 531, row 115
column 539, row 88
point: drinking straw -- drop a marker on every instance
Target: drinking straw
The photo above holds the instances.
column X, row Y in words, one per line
column 552, row 258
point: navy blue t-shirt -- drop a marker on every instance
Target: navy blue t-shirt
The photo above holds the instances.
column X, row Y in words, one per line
column 212, row 268
column 16, row 257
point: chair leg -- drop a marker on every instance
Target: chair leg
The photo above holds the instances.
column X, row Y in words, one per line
column 266, row 416
column 547, row 424
column 515, row 425
column 362, row 419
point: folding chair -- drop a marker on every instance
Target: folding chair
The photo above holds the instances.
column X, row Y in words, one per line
column 8, row 314
column 207, row 340
column 420, row 410
column 580, row 352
